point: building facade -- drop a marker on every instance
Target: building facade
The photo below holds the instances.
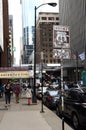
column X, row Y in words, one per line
column 11, row 46
column 28, row 49
column 4, row 33
column 26, row 35
column 73, row 14
column 44, row 36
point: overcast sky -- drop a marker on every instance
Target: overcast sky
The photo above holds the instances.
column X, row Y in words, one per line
column 15, row 10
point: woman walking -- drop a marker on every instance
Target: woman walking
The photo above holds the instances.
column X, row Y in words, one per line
column 8, row 91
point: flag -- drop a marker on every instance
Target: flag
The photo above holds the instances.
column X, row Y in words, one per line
column 82, row 56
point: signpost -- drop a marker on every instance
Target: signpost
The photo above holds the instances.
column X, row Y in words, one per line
column 61, row 51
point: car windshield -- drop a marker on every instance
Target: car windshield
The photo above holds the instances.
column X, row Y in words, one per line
column 53, row 93
column 83, row 93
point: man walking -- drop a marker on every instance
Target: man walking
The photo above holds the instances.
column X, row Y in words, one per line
column 17, row 92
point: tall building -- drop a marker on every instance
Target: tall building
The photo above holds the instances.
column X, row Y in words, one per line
column 4, row 33
column 27, row 48
column 33, row 34
column 11, row 47
column 73, row 14
column 28, row 51
column 26, row 35
column 44, row 36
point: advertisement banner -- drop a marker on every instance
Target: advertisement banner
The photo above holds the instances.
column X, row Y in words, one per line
column 61, row 42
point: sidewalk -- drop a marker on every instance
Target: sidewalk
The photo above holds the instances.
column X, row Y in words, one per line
column 28, row 117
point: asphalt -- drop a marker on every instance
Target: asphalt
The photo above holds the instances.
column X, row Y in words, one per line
column 22, row 116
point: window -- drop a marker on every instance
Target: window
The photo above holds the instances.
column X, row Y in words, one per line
column 50, row 61
column 44, row 34
column 50, row 39
column 57, row 18
column 50, row 18
column 44, row 18
column 50, row 55
column 50, row 34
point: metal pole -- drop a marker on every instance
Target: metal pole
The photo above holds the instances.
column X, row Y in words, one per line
column 34, row 99
column 62, row 97
column 42, row 82
column 77, row 66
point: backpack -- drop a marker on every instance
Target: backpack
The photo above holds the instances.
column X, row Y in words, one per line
column 17, row 89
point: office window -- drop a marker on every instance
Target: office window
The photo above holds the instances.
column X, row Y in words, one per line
column 44, row 34
column 50, row 55
column 43, row 18
column 50, row 39
column 50, row 61
column 50, row 18
column 57, row 18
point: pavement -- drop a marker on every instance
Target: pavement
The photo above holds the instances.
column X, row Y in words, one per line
column 22, row 116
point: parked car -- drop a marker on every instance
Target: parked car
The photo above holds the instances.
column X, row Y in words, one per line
column 50, row 98
column 74, row 106
column 39, row 92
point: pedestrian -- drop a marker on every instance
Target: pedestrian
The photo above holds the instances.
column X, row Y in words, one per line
column 28, row 95
column 8, row 91
column 17, row 92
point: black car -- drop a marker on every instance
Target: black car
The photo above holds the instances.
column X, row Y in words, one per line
column 50, row 97
column 74, row 106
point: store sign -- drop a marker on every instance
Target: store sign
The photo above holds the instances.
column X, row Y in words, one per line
column 14, row 74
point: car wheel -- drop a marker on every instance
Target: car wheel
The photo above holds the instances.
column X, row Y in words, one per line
column 75, row 121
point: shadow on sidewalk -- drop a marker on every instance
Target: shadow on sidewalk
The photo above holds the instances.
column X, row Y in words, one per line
column 29, row 104
column 4, row 108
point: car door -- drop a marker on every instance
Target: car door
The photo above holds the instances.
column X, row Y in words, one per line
column 68, row 101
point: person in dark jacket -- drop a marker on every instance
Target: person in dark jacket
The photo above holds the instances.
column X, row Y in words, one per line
column 17, row 92
column 8, row 91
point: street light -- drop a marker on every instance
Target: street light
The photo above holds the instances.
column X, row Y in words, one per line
column 34, row 100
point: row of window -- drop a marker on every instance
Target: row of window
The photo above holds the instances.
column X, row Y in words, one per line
column 49, row 18
column 50, row 61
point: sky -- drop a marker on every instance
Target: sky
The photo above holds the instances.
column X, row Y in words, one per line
column 15, row 10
